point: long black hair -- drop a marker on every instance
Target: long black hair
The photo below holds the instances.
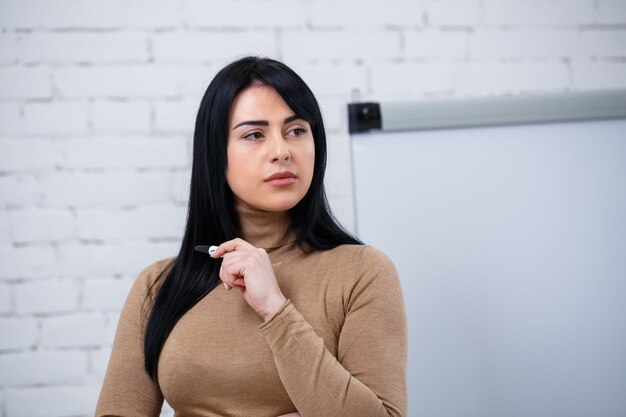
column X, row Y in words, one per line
column 211, row 216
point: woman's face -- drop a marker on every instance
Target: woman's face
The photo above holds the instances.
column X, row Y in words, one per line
column 271, row 152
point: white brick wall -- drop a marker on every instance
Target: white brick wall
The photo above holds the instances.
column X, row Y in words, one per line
column 48, row 367
column 59, row 400
column 86, row 48
column 36, row 225
column 97, row 109
column 5, row 303
column 35, row 297
column 17, row 333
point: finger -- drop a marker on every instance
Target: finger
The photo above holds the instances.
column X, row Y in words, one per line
column 230, row 246
column 232, row 275
column 226, row 280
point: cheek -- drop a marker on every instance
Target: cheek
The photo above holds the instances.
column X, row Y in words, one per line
column 310, row 159
column 236, row 170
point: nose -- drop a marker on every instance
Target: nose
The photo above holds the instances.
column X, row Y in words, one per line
column 280, row 150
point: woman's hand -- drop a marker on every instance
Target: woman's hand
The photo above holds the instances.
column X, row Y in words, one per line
column 249, row 270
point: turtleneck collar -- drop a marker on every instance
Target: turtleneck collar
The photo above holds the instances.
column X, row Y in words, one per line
column 266, row 229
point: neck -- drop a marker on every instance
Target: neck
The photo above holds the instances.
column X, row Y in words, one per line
column 264, row 229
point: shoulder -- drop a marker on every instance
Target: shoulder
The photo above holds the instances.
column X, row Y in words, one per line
column 364, row 264
column 141, row 296
column 361, row 256
column 151, row 276
column 151, row 272
column 372, row 256
column 370, row 277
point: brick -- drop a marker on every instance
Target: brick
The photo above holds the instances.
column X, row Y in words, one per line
column 194, row 79
column 49, row 296
column 589, row 75
column 18, row 333
column 47, row 367
column 26, row 261
column 332, row 81
column 536, row 43
column 121, row 116
column 610, row 12
column 5, row 304
column 136, row 151
column 339, row 45
column 117, row 81
column 138, row 223
column 76, row 330
column 28, row 154
column 167, row 410
column 490, row 78
column 339, row 157
column 436, row 44
column 339, row 179
column 5, row 230
column 54, row 118
column 97, row 188
column 29, row 14
column 407, row 79
column 453, row 13
column 343, row 210
column 340, row 195
column 244, row 14
column 334, row 114
column 176, row 115
column 62, row 401
column 10, row 118
column 69, row 47
column 144, row 14
column 105, row 293
column 354, row 13
column 9, row 48
column 604, row 43
column 99, row 360
column 126, row 258
column 19, row 83
column 538, row 12
column 218, row 47
column 42, row 225
column 180, row 186
column 20, row 190
column 113, row 14
column 112, row 322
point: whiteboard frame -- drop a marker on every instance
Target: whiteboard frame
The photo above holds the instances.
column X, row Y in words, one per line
column 486, row 111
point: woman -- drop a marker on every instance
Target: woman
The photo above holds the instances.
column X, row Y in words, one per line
column 317, row 324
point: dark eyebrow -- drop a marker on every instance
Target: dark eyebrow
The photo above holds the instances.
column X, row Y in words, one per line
column 253, row 123
column 291, row 118
column 265, row 122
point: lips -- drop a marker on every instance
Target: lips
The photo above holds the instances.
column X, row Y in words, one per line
column 281, row 178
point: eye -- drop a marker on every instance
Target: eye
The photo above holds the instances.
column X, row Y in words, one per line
column 297, row 131
column 254, row 135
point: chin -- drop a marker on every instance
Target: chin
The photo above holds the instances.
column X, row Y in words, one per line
column 279, row 205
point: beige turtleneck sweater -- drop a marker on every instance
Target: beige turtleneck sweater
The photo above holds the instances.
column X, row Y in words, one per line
column 336, row 348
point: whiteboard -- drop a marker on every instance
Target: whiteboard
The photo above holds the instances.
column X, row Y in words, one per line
column 510, row 242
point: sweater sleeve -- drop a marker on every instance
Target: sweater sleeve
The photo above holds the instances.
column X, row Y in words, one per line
column 368, row 377
column 128, row 390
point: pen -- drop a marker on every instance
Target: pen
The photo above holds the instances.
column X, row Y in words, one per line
column 206, row 249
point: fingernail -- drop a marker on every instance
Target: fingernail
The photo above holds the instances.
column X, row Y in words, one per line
column 225, row 286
